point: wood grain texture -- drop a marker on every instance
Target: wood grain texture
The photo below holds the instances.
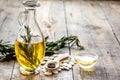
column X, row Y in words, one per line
column 8, row 17
column 96, row 23
column 104, row 39
column 78, row 20
column 53, row 26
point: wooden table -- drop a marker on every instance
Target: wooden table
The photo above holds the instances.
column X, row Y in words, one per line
column 96, row 23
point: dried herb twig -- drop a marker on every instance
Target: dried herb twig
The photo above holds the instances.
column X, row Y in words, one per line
column 8, row 52
column 51, row 47
column 27, row 38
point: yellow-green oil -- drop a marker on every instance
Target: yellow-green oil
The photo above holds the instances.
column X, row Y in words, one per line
column 86, row 60
column 30, row 55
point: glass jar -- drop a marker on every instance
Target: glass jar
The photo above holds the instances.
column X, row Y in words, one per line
column 86, row 60
column 30, row 43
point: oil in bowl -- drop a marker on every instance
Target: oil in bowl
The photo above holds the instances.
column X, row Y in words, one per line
column 86, row 60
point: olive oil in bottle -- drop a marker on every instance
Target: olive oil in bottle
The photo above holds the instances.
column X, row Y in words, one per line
column 29, row 56
column 30, row 42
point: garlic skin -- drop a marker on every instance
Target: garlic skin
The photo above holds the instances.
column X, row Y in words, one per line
column 51, row 67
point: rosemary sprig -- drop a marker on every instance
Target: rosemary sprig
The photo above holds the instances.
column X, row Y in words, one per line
column 28, row 48
column 28, row 37
column 8, row 52
column 51, row 47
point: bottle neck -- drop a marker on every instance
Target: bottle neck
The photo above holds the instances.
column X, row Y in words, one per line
column 30, row 17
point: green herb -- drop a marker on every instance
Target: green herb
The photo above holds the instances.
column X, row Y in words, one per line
column 28, row 48
column 51, row 47
column 28, row 54
column 8, row 52
column 27, row 38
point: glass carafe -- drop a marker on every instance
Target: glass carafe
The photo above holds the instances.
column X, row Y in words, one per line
column 30, row 43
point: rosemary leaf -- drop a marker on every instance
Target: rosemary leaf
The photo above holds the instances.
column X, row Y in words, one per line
column 8, row 52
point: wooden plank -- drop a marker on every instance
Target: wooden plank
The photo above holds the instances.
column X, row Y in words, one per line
column 111, row 10
column 104, row 39
column 6, row 70
column 57, row 30
column 53, row 13
column 8, row 32
column 84, row 19
column 76, row 26
column 9, row 26
column 6, row 67
column 48, row 13
column 87, row 21
column 2, row 15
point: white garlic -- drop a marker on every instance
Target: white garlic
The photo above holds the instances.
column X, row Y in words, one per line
column 47, row 73
column 43, row 70
column 51, row 58
column 55, row 71
column 72, row 63
column 59, row 69
column 69, row 66
column 55, row 51
column 66, row 61
column 46, row 58
column 55, row 55
column 66, row 68
column 43, row 62
column 64, row 64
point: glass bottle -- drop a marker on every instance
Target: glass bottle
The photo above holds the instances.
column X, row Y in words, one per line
column 30, row 43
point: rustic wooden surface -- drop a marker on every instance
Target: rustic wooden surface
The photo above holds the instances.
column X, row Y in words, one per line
column 96, row 23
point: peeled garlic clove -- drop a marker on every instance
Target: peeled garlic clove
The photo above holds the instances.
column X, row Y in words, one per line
column 43, row 62
column 55, row 51
column 59, row 69
column 66, row 61
column 43, row 70
column 55, row 55
column 51, row 58
column 64, row 64
column 66, row 68
column 47, row 73
column 72, row 63
column 55, row 71
column 46, row 58
column 69, row 66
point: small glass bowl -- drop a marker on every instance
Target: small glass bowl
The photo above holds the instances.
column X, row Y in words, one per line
column 86, row 60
